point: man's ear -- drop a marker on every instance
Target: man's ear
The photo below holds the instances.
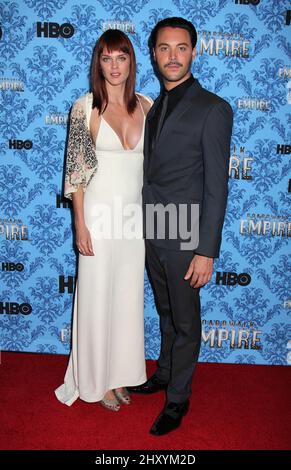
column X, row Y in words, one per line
column 154, row 54
column 194, row 52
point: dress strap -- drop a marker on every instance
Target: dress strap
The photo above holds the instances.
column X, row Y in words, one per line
column 88, row 110
column 147, row 98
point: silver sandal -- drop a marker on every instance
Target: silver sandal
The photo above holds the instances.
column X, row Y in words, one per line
column 123, row 397
column 111, row 404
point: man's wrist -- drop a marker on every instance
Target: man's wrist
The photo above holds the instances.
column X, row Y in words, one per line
column 201, row 254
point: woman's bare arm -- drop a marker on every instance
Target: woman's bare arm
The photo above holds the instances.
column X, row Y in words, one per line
column 83, row 237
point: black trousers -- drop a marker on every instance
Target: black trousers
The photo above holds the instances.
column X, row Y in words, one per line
column 178, row 306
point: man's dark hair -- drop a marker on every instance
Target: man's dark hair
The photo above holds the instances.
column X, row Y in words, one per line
column 173, row 22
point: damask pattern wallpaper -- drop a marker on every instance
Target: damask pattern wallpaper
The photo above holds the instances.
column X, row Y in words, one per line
column 243, row 55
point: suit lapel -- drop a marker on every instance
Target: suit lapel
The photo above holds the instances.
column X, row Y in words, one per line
column 180, row 108
column 170, row 122
column 154, row 107
column 146, row 132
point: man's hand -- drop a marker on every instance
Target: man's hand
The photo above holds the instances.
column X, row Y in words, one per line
column 200, row 271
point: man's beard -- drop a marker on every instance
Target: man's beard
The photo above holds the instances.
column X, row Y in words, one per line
column 180, row 74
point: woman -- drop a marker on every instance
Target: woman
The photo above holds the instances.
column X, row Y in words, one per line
column 104, row 174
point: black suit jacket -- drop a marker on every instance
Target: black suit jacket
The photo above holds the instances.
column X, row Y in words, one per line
column 189, row 164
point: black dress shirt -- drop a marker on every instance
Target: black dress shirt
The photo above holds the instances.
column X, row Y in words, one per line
column 174, row 96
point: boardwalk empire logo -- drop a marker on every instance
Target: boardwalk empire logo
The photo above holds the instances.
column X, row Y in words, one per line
column 265, row 225
column 237, row 335
column 222, row 43
column 125, row 26
column 56, row 119
column 13, row 229
column 65, row 334
column 11, row 84
column 240, row 164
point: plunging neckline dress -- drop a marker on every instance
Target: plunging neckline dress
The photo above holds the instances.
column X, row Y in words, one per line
column 108, row 317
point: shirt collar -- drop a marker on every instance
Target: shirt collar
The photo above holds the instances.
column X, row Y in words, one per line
column 179, row 90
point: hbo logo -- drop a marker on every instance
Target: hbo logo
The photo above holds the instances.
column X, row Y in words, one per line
column 20, row 144
column 12, row 267
column 13, row 308
column 231, row 279
column 247, row 2
column 54, row 30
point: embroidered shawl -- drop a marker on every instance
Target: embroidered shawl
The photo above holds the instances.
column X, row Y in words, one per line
column 81, row 159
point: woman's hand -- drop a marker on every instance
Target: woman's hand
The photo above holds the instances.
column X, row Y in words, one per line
column 83, row 240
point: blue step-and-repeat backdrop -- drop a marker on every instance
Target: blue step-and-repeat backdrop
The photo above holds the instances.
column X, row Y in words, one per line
column 243, row 56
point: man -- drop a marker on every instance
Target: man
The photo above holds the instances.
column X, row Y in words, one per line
column 187, row 142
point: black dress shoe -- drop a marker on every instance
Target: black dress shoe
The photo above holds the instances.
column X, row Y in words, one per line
column 170, row 418
column 152, row 385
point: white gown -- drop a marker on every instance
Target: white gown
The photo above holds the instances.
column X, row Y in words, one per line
column 108, row 321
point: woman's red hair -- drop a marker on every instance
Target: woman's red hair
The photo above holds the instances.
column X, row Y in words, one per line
column 112, row 40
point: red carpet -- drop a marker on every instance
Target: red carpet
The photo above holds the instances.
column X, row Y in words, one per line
column 232, row 407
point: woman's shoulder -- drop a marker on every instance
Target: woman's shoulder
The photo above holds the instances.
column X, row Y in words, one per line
column 81, row 102
column 146, row 101
column 145, row 98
